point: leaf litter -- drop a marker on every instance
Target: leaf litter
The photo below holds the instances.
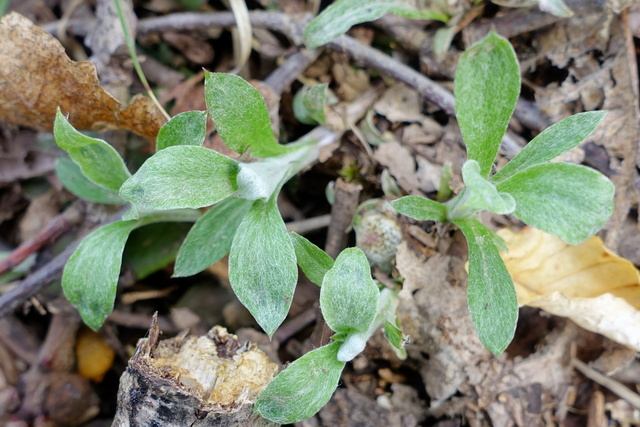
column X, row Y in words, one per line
column 39, row 77
column 449, row 375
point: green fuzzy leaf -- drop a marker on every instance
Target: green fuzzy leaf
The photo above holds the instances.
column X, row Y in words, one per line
column 188, row 128
column 487, row 85
column 313, row 261
column 339, row 17
column 264, row 178
column 240, row 115
column 309, row 104
column 262, row 265
column 72, row 178
column 395, row 336
column 90, row 277
column 420, row 208
column 482, row 194
column 98, row 161
column 349, row 296
column 182, row 176
column 153, row 247
column 303, row 388
column 552, row 142
column 555, row 7
column 210, row 238
column 570, row 201
column 493, row 304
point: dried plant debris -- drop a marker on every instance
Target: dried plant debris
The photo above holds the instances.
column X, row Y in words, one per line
column 596, row 53
column 30, row 96
column 451, row 359
column 586, row 283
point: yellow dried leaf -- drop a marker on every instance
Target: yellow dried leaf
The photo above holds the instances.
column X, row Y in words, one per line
column 587, row 283
column 38, row 77
column 94, row 356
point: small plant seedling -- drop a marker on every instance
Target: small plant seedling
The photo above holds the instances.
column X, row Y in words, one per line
column 183, row 176
column 354, row 308
column 95, row 172
column 336, row 19
column 570, row 201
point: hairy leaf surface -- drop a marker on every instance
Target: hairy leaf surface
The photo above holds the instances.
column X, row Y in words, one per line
column 420, row 208
column 262, row 265
column 188, row 128
column 72, row 178
column 240, row 115
column 487, row 85
column 493, row 304
column 182, row 176
column 98, row 160
column 303, row 388
column 210, row 237
column 313, row 261
column 339, row 17
column 552, row 142
column 349, row 296
column 570, row 201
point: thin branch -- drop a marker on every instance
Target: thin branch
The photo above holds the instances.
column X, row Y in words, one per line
column 40, row 279
column 58, row 226
column 284, row 75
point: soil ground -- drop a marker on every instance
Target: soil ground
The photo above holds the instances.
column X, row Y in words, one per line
column 54, row 371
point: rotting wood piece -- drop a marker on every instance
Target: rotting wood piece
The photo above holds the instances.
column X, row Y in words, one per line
column 211, row 380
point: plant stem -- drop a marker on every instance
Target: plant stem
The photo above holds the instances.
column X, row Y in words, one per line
column 134, row 57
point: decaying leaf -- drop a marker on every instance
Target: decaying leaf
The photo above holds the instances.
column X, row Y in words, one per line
column 587, row 283
column 37, row 77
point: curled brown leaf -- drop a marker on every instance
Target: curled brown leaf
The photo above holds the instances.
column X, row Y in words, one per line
column 38, row 77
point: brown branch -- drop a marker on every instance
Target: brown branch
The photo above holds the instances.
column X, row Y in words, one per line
column 40, row 279
column 58, row 226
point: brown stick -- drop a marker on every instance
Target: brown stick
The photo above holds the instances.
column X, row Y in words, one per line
column 58, row 226
column 347, row 197
column 40, row 279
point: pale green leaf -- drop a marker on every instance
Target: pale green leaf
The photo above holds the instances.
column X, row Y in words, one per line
column 182, row 176
column 420, row 208
column 210, row 238
column 480, row 194
column 555, row 7
column 396, row 338
column 188, row 128
column 340, row 16
column 493, row 304
column 487, row 85
column 349, row 296
column 263, row 178
column 153, row 247
column 240, row 115
column 303, row 388
column 309, row 104
column 570, row 201
column 90, row 277
column 552, row 142
column 262, row 265
column 73, row 180
column 98, row 161
column 313, row 261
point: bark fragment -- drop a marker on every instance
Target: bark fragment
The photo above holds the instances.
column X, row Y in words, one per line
column 212, row 380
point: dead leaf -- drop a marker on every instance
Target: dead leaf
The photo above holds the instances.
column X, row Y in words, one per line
column 433, row 311
column 38, row 77
column 400, row 103
column 587, row 283
column 599, row 57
